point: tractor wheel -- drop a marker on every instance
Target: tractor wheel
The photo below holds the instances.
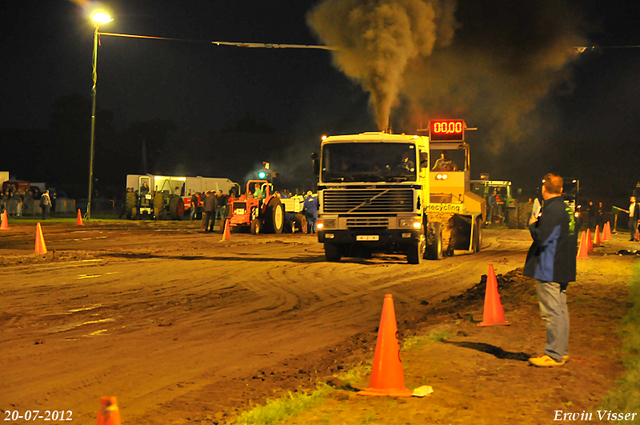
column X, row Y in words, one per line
column 176, row 208
column 300, row 223
column 274, row 216
column 523, row 215
column 434, row 243
column 158, row 206
column 130, row 204
column 512, row 217
column 332, row 252
column 256, row 226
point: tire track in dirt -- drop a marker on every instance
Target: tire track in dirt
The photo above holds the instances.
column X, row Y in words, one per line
column 154, row 323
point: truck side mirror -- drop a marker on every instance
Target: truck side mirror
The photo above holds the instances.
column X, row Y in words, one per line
column 316, row 163
column 424, row 159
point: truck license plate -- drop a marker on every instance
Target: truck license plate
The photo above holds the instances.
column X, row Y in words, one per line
column 367, row 237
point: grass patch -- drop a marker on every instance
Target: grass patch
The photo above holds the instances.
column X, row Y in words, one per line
column 418, row 341
column 355, row 375
column 625, row 397
column 279, row 409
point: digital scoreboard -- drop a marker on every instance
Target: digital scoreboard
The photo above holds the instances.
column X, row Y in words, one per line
column 446, row 130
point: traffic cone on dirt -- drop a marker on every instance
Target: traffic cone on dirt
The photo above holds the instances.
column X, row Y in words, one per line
column 5, row 221
column 79, row 221
column 387, row 377
column 596, row 236
column 226, row 235
column 606, row 232
column 493, row 313
column 108, row 413
column 589, row 241
column 41, row 247
column 582, row 252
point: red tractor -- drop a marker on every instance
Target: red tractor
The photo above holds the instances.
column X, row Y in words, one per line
column 265, row 215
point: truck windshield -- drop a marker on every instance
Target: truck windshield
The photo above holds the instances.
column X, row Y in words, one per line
column 368, row 162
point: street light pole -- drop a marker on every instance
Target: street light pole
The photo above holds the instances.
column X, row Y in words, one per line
column 98, row 18
column 93, row 117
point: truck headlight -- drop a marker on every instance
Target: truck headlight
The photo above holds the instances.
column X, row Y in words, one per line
column 328, row 223
column 410, row 222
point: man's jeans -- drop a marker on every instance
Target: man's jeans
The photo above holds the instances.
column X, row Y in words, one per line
column 553, row 308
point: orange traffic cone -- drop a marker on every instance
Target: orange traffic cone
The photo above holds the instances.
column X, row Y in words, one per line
column 582, row 252
column 5, row 221
column 589, row 241
column 79, row 221
column 637, row 237
column 387, row 378
column 226, row 235
column 596, row 236
column 41, row 247
column 108, row 413
column 493, row 313
column 606, row 232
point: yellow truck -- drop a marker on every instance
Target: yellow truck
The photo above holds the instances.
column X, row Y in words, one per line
column 381, row 192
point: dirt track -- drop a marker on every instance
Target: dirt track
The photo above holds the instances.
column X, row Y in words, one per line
column 167, row 318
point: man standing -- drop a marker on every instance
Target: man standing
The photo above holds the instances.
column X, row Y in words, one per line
column 491, row 205
column 45, row 204
column 634, row 215
column 221, row 213
column 195, row 201
column 552, row 262
column 310, row 210
column 209, row 213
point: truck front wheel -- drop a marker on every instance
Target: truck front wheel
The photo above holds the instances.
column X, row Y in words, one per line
column 332, row 252
column 415, row 252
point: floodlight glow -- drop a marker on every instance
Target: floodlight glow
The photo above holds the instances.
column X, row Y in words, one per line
column 101, row 18
column 262, row 174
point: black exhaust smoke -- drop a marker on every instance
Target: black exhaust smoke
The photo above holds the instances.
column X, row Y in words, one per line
column 504, row 61
column 377, row 39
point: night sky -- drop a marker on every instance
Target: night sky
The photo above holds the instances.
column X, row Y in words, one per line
column 504, row 70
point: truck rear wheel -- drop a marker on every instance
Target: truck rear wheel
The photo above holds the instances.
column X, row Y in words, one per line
column 434, row 243
column 274, row 216
column 477, row 235
column 332, row 252
column 176, row 208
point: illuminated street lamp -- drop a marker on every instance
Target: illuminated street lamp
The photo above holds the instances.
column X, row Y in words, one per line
column 97, row 18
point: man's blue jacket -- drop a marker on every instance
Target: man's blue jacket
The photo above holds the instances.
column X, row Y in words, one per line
column 552, row 256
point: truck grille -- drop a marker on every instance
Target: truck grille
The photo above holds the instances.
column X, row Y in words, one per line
column 367, row 200
column 367, row 222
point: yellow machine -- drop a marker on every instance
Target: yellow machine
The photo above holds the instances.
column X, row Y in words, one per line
column 389, row 193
